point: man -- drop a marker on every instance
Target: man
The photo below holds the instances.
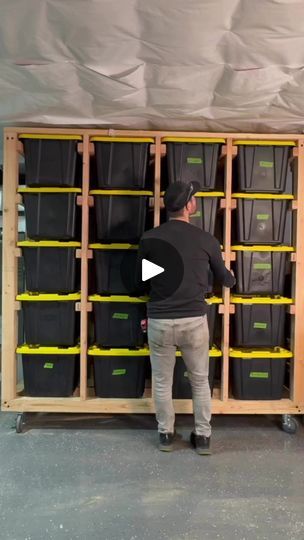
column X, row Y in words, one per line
column 177, row 310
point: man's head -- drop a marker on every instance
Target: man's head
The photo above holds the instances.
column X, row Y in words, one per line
column 179, row 199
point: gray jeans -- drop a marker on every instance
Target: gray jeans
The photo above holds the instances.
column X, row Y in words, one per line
column 191, row 336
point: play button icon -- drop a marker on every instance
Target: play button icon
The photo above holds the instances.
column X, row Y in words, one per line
column 150, row 270
column 157, row 272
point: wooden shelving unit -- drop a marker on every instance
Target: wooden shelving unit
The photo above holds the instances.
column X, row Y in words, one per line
column 222, row 402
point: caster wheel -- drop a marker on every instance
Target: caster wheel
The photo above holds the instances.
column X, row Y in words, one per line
column 289, row 424
column 20, row 421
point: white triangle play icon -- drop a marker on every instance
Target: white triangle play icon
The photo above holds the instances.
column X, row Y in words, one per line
column 150, row 270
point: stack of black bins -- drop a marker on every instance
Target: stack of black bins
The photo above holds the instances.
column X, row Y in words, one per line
column 264, row 236
column 196, row 160
column 50, row 354
column 121, row 201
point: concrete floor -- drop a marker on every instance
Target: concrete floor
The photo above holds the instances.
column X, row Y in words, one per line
column 103, row 478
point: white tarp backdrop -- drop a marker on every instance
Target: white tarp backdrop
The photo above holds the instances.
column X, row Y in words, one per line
column 168, row 64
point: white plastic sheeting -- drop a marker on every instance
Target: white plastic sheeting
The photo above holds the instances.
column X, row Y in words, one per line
column 214, row 65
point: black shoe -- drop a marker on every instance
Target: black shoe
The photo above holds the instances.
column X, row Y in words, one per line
column 166, row 442
column 201, row 444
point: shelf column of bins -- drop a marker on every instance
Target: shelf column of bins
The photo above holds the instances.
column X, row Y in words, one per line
column 129, row 192
column 270, row 196
column 207, row 195
column 60, row 183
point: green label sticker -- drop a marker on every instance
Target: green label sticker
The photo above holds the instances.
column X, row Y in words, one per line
column 48, row 365
column 194, row 160
column 262, row 216
column 119, row 371
column 262, row 266
column 186, row 374
column 260, row 325
column 123, row 316
column 197, row 214
column 266, row 164
column 259, row 375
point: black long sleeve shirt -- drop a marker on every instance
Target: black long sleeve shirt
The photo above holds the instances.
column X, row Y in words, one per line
column 198, row 252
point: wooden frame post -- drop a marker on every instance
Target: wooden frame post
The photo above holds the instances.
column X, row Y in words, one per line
column 156, row 209
column 157, row 178
column 298, row 337
column 227, row 253
column 84, row 267
column 10, row 266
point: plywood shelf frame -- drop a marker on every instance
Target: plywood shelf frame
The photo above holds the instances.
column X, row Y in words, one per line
column 85, row 403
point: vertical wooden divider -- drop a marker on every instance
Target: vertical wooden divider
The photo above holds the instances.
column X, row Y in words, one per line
column 226, row 291
column 156, row 220
column 84, row 267
column 9, row 268
column 298, row 342
column 157, row 174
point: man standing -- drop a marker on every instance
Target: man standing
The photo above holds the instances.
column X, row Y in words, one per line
column 177, row 310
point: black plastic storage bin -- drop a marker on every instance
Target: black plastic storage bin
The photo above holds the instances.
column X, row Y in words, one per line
column 50, row 213
column 120, row 218
column 121, row 162
column 191, row 159
column 117, row 321
column 261, row 221
column 115, row 267
column 259, row 322
column 119, row 373
column 49, row 371
column 205, row 216
column 50, row 266
column 49, row 319
column 50, row 160
column 260, row 271
column 181, row 388
column 212, row 314
column 263, row 165
column 258, row 375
